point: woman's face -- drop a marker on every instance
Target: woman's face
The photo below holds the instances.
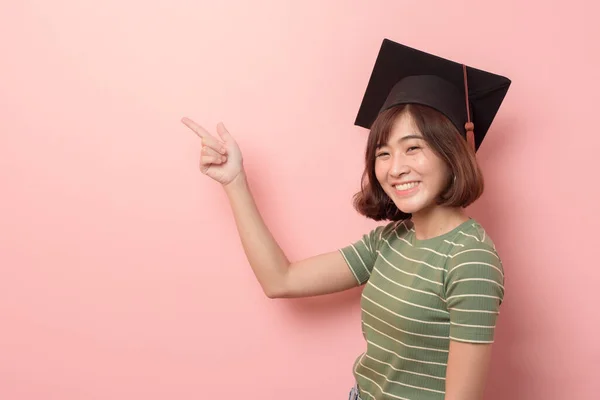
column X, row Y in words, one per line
column 408, row 170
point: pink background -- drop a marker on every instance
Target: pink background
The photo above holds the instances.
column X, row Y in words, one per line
column 121, row 275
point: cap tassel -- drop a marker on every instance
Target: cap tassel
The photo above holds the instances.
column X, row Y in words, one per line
column 469, row 126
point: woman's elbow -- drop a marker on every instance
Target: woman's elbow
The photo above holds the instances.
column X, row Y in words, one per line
column 274, row 291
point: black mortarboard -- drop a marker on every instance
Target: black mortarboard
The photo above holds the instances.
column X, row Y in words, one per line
column 405, row 75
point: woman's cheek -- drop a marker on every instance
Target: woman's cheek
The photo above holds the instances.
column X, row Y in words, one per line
column 380, row 170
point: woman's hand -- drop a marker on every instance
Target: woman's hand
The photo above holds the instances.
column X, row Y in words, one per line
column 220, row 158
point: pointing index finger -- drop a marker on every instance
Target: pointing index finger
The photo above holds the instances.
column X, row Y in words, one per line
column 207, row 138
column 200, row 131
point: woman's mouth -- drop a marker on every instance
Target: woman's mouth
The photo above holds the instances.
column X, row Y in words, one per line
column 406, row 188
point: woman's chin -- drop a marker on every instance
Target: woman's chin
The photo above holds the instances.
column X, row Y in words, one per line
column 409, row 207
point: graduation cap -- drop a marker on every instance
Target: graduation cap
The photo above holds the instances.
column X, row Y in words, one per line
column 404, row 75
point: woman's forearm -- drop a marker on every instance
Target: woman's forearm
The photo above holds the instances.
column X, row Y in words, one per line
column 264, row 254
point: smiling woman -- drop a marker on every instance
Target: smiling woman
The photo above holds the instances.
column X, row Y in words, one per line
column 428, row 138
column 433, row 279
column 434, row 272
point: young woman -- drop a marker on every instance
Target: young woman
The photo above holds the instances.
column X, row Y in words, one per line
column 433, row 279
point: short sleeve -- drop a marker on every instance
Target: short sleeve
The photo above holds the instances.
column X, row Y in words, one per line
column 361, row 255
column 474, row 288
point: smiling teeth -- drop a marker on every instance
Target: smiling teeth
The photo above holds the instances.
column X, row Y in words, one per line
column 406, row 186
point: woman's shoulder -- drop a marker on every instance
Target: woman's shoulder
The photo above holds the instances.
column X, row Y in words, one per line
column 473, row 254
column 472, row 235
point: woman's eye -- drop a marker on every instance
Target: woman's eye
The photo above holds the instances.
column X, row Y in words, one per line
column 412, row 148
column 381, row 154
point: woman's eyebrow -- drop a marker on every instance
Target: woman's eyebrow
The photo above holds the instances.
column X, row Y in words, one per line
column 410, row 137
column 414, row 136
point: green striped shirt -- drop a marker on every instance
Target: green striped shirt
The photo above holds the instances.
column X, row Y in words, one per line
column 419, row 295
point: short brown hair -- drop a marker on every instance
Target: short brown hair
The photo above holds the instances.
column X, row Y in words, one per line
column 465, row 182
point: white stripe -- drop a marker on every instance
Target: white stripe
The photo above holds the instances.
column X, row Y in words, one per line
column 410, row 259
column 477, row 263
column 454, row 244
column 466, row 234
column 367, row 246
column 405, row 358
column 420, row 248
column 407, row 302
column 393, row 229
column 442, row 254
column 474, row 295
column 474, row 326
column 405, row 241
column 409, row 288
column 408, row 333
column 406, row 226
column 446, row 255
column 361, row 260
column 402, row 316
column 442, row 378
column 407, row 273
column 380, row 389
column 356, row 371
column 350, row 265
column 466, row 251
column 475, row 311
column 471, row 341
column 367, row 392
column 399, row 383
column 402, row 330
column 483, row 238
column 476, row 279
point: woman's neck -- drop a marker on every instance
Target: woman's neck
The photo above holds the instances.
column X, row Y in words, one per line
column 436, row 221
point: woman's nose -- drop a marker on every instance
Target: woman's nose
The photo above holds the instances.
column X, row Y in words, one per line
column 398, row 167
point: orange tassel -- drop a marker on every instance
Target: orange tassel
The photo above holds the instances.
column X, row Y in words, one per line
column 469, row 127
